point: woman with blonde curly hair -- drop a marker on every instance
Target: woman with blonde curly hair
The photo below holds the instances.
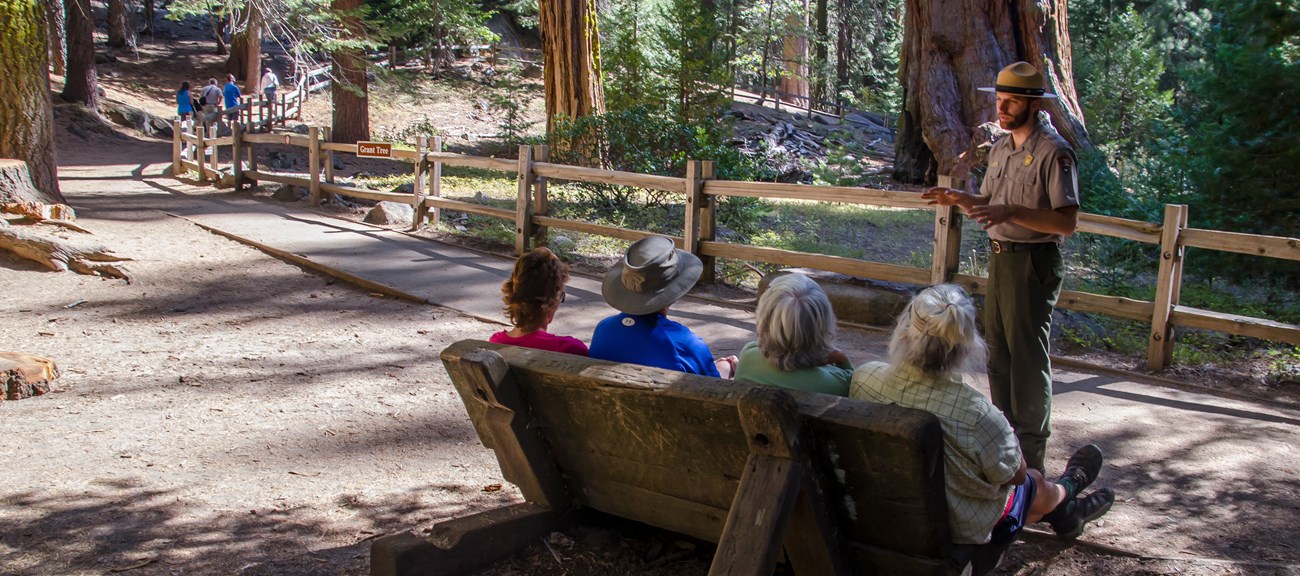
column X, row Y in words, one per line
column 531, row 296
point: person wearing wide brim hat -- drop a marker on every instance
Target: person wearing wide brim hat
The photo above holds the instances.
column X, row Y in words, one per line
column 1022, row 79
column 1029, row 204
column 652, row 275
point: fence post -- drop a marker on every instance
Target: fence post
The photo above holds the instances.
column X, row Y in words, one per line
column 176, row 148
column 236, row 149
column 947, row 236
column 1169, row 284
column 212, row 160
column 252, row 165
column 283, row 110
column 435, row 183
column 524, row 203
column 313, row 164
column 202, row 150
column 694, row 195
column 541, row 201
column 708, row 221
column 329, row 158
column 417, row 189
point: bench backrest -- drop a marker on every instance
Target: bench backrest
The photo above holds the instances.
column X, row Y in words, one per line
column 668, row 449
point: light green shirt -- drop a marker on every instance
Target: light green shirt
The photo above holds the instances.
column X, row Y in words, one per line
column 828, row 379
column 980, row 452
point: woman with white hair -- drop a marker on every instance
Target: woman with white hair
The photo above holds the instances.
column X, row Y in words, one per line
column 992, row 494
column 796, row 340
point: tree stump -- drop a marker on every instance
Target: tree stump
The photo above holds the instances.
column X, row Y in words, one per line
column 24, row 375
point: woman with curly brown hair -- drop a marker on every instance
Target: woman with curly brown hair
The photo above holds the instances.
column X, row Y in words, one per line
column 531, row 296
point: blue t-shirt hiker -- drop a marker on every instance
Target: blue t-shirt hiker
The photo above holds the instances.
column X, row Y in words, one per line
column 651, row 277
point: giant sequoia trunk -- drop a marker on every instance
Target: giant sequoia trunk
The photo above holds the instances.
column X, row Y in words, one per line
column 54, row 22
column 119, row 29
column 952, row 47
column 81, row 85
column 27, row 118
column 349, row 89
column 794, row 53
column 245, row 60
column 570, row 50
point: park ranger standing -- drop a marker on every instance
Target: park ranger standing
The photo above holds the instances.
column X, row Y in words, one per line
column 1029, row 203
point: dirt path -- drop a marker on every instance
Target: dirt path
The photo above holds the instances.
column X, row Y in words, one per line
column 225, row 413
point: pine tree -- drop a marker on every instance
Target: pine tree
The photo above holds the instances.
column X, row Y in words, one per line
column 698, row 75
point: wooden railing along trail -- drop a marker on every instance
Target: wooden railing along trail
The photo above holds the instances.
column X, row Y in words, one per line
column 700, row 190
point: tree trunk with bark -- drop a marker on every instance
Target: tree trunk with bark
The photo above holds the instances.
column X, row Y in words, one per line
column 245, row 60
column 119, row 27
column 794, row 52
column 951, row 48
column 843, row 44
column 570, row 50
column 58, row 46
column 351, row 121
column 820, row 51
column 219, row 31
column 27, row 118
column 150, row 12
column 81, row 85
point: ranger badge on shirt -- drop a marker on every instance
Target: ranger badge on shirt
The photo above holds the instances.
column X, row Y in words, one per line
column 1065, row 163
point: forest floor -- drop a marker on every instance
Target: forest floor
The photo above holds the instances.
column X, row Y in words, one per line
column 344, row 425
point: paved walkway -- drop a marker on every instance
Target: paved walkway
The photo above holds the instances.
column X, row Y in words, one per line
column 1197, row 475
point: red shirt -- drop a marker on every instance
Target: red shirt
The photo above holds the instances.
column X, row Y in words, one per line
column 542, row 340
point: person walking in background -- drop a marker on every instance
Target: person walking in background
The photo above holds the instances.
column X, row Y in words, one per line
column 231, row 92
column 184, row 102
column 211, row 97
column 992, row 492
column 269, row 84
column 796, row 340
column 652, row 275
column 531, row 296
column 1029, row 203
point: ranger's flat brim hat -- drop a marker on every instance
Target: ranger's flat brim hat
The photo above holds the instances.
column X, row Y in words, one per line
column 652, row 275
column 1021, row 79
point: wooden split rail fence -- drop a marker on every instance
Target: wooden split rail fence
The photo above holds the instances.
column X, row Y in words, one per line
column 700, row 189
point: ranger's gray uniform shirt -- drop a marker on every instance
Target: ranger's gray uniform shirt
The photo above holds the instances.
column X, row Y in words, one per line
column 1040, row 174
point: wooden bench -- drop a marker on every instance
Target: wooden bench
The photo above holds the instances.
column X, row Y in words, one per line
column 842, row 486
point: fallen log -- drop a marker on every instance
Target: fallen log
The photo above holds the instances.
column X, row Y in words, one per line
column 24, row 375
column 62, row 255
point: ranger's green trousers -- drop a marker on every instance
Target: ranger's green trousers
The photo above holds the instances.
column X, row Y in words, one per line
column 1023, row 289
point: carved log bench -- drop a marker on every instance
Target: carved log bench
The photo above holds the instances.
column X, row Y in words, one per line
column 842, row 486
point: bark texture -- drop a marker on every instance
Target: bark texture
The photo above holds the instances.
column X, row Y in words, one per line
column 150, row 12
column 82, row 85
column 27, row 118
column 219, row 33
column 351, row 121
column 571, row 49
column 794, row 54
column 953, row 47
column 58, row 45
column 245, row 59
column 119, row 27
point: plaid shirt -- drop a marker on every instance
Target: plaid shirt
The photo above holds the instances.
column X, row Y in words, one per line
column 981, row 452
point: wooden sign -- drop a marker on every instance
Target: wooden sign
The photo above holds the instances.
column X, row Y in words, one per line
column 374, row 150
